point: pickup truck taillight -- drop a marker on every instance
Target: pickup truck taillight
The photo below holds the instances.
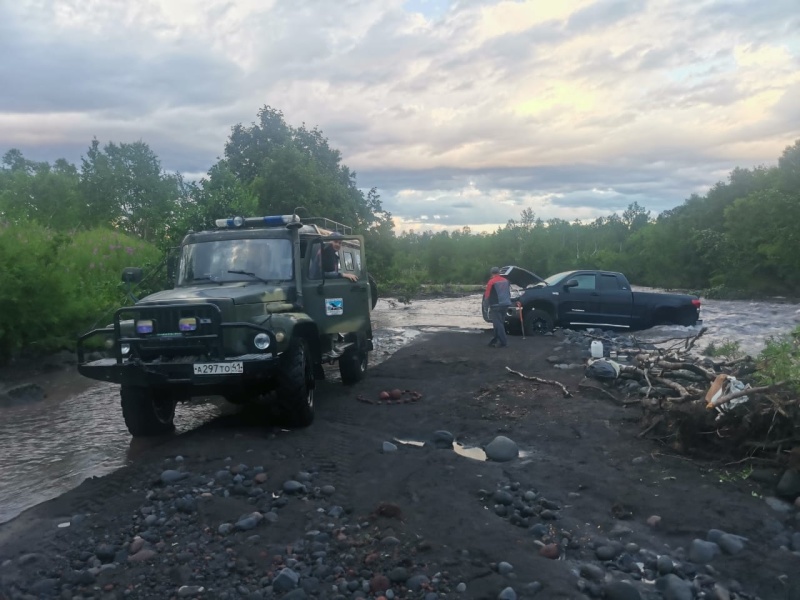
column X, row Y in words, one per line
column 696, row 302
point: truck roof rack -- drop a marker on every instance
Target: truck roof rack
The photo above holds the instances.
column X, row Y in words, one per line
column 311, row 225
column 325, row 226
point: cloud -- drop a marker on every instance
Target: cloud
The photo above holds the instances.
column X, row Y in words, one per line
column 76, row 71
column 603, row 14
column 468, row 111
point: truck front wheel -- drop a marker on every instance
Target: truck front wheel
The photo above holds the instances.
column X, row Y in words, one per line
column 296, row 385
column 537, row 322
column 147, row 411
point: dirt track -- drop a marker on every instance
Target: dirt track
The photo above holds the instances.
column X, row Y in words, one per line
column 413, row 512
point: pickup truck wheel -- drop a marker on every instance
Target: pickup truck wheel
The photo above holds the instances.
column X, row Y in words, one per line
column 537, row 322
column 296, row 385
column 147, row 411
column 353, row 365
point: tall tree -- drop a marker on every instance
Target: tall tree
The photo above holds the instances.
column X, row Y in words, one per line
column 125, row 186
column 39, row 192
column 286, row 167
column 216, row 196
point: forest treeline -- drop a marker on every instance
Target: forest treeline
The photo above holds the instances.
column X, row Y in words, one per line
column 66, row 230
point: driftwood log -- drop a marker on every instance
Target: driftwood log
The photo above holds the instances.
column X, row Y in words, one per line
column 564, row 390
column 673, row 385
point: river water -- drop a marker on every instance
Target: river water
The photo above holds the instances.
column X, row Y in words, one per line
column 77, row 431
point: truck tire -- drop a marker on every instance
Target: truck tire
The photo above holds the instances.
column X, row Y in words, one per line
column 296, row 385
column 537, row 322
column 147, row 411
column 353, row 365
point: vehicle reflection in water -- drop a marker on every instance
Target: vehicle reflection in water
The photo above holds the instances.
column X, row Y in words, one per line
column 77, row 431
column 53, row 445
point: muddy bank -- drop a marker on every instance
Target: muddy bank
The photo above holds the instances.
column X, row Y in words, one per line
column 67, row 428
column 244, row 510
column 57, row 428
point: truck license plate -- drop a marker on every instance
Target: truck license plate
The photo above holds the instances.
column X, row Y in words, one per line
column 225, row 368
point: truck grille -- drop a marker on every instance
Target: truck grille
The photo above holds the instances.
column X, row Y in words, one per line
column 166, row 338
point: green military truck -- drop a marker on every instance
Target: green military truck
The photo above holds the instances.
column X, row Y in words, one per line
column 251, row 314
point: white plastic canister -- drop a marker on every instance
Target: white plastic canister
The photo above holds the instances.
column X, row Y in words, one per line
column 597, row 349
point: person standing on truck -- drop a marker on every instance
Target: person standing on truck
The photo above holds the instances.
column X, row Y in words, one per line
column 498, row 296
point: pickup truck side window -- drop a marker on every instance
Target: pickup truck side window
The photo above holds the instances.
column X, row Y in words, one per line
column 609, row 282
column 586, row 281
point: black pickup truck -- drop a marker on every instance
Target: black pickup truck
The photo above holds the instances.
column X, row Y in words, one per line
column 590, row 299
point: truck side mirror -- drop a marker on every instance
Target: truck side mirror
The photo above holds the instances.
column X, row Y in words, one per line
column 571, row 283
column 131, row 275
column 173, row 262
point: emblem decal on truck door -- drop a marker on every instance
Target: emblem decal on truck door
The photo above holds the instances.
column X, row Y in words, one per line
column 334, row 307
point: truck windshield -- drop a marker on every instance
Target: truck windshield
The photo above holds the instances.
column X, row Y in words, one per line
column 554, row 279
column 266, row 259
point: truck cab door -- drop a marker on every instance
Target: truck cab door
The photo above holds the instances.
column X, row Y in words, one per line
column 580, row 304
column 336, row 304
column 616, row 301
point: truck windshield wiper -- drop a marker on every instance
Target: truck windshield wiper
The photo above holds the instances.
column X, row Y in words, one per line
column 253, row 275
column 212, row 278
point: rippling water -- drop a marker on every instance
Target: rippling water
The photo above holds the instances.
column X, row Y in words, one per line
column 77, row 431
column 53, row 445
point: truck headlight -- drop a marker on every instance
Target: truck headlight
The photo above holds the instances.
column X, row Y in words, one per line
column 261, row 341
column 144, row 326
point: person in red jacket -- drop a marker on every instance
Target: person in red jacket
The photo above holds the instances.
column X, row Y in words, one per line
column 498, row 296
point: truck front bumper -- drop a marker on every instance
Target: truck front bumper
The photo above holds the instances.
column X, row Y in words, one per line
column 254, row 368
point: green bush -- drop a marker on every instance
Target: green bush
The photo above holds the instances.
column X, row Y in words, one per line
column 780, row 360
column 52, row 286
column 95, row 260
column 727, row 349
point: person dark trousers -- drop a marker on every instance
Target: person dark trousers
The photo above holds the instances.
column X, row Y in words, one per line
column 498, row 316
column 498, row 295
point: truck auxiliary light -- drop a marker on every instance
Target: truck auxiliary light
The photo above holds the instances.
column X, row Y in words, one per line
column 144, row 326
column 268, row 221
column 187, row 324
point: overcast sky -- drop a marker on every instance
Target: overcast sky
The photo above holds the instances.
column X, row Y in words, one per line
column 460, row 113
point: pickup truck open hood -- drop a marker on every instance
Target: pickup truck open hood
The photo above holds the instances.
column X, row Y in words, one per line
column 520, row 277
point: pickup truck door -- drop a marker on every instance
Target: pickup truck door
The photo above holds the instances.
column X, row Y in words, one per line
column 580, row 305
column 615, row 300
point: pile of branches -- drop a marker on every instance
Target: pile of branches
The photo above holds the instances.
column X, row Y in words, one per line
column 683, row 408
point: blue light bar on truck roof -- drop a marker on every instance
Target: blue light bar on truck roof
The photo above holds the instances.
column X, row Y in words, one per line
column 268, row 221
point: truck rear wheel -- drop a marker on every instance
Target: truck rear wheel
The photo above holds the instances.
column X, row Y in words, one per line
column 296, row 385
column 147, row 411
column 353, row 365
column 537, row 322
